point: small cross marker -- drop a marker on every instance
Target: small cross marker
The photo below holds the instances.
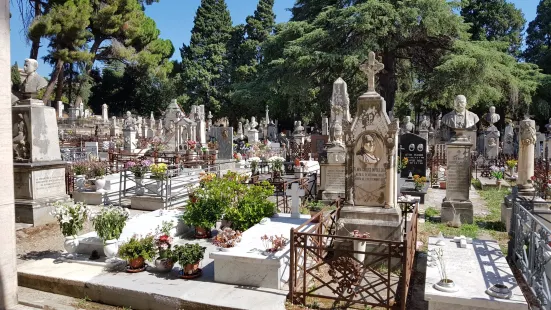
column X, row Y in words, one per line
column 462, row 241
column 296, row 195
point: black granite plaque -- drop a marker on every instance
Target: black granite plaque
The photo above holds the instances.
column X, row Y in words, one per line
column 414, row 148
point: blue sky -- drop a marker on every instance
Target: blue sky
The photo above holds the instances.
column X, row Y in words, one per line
column 175, row 19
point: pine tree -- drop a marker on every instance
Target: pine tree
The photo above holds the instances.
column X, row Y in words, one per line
column 15, row 77
column 494, row 20
column 204, row 63
column 538, row 44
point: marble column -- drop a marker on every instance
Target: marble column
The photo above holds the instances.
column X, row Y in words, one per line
column 8, row 262
column 527, row 137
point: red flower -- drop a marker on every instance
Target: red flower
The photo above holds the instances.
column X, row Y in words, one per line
column 533, row 178
column 163, row 238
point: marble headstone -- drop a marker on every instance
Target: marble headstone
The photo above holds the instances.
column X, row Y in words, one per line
column 224, row 137
column 491, row 142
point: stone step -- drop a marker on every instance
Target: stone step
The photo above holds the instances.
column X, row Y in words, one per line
column 371, row 213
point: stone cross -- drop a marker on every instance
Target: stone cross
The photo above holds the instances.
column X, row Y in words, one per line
column 371, row 68
column 462, row 241
column 296, row 195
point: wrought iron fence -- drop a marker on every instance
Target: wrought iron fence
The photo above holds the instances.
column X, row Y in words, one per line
column 529, row 248
column 320, row 269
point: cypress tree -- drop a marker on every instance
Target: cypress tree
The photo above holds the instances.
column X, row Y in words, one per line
column 204, row 61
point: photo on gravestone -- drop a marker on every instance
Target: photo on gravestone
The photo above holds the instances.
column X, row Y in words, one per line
column 369, row 170
column 414, row 148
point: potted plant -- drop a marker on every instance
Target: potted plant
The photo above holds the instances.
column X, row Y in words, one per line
column 71, row 217
column 139, row 168
column 419, row 182
column 315, row 207
column 497, row 173
column 98, row 169
column 80, row 169
column 189, row 257
column 512, row 164
column 227, row 239
column 136, row 251
column 166, row 259
column 273, row 244
column 159, row 173
column 277, row 167
column 206, row 208
column 109, row 224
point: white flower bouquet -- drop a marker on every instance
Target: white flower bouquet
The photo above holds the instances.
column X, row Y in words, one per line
column 70, row 216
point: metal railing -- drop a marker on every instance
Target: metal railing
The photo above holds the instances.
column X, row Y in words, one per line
column 320, row 269
column 529, row 248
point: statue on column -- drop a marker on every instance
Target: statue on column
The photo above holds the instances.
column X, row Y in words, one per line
column 129, row 122
column 425, row 123
column 408, row 126
column 460, row 117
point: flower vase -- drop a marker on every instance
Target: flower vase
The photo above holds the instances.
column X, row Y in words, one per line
column 80, row 182
column 71, row 244
column 360, row 245
column 164, row 264
column 140, row 189
column 111, row 248
column 498, row 183
column 100, row 184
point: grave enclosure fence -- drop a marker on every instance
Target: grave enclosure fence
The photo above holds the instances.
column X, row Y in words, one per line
column 324, row 271
column 530, row 247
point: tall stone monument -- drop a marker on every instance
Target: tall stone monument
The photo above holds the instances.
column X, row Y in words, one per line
column 252, row 132
column 129, row 133
column 371, row 158
column 39, row 172
column 508, row 139
column 458, row 182
column 333, row 171
column 105, row 113
column 172, row 116
column 60, row 109
column 491, row 142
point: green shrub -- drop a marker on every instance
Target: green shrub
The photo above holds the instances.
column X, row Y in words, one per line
column 316, row 206
column 110, row 222
column 431, row 212
column 136, row 247
column 189, row 254
column 252, row 206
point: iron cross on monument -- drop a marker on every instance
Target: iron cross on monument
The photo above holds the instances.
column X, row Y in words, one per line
column 371, row 68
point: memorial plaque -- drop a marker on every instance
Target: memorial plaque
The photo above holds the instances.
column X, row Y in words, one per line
column 414, row 148
column 318, row 144
column 335, row 178
column 91, row 148
column 48, row 183
column 458, row 181
column 369, row 171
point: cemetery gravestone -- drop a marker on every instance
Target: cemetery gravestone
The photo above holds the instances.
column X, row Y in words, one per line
column 371, row 182
column 224, row 137
column 508, row 140
column 91, row 148
column 413, row 147
column 491, row 142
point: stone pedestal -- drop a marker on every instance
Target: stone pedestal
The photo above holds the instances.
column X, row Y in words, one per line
column 130, row 140
column 202, row 132
column 333, row 174
column 423, row 133
column 458, row 181
column 39, row 173
column 37, row 185
column 252, row 135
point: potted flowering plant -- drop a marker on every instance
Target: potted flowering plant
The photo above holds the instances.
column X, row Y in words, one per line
column 191, row 144
column 80, row 169
column 419, row 182
column 254, row 168
column 136, row 251
column 139, row 168
column 512, row 164
column 273, row 244
column 71, row 218
column 497, row 173
column 277, row 166
column 226, row 239
column 159, row 173
column 108, row 224
column 189, row 257
column 98, row 169
column 166, row 259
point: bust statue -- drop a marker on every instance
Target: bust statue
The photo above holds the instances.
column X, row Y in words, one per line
column 460, row 117
column 33, row 82
column 338, row 134
column 253, row 123
column 408, row 125
column 129, row 122
column 299, row 129
column 425, row 123
column 492, row 117
column 247, row 125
